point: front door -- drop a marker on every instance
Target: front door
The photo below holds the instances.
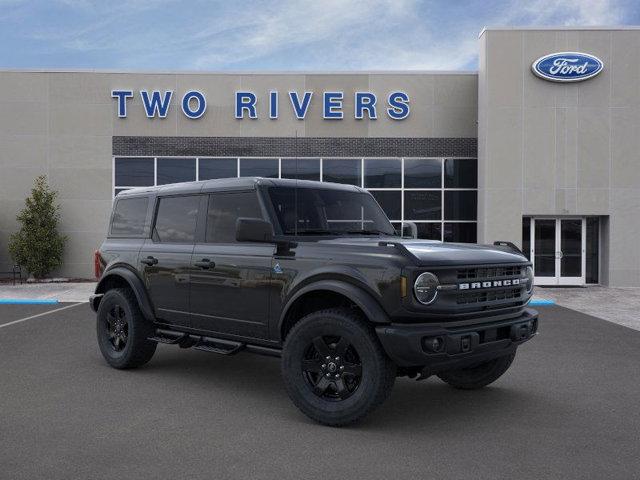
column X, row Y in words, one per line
column 558, row 250
column 230, row 280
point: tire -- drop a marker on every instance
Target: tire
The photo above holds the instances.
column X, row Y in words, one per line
column 123, row 331
column 321, row 389
column 478, row 376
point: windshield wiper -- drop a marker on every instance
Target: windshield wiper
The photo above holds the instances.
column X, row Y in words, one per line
column 314, row 231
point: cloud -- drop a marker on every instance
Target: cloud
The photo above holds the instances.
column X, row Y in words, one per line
column 284, row 34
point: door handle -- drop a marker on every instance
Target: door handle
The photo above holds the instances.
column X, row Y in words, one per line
column 149, row 260
column 205, row 264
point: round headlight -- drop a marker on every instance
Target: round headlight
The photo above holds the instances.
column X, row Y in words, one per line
column 529, row 274
column 426, row 288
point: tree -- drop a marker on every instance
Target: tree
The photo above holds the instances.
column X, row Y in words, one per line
column 38, row 246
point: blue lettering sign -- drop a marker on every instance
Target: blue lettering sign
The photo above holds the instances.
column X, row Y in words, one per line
column 332, row 105
column 122, row 96
column 156, row 105
column 398, row 105
column 273, row 105
column 246, row 101
column 200, row 100
column 365, row 101
column 300, row 108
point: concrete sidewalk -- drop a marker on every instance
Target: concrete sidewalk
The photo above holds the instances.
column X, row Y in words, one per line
column 63, row 292
column 615, row 304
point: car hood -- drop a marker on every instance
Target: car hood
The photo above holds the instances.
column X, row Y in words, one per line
column 430, row 252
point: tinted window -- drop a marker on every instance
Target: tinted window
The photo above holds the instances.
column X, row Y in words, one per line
column 391, row 203
column 460, row 232
column 175, row 170
column 128, row 216
column 422, row 205
column 341, row 171
column 422, row 173
column 460, row 205
column 382, row 173
column 301, row 168
column 210, row 168
column 176, row 219
column 224, row 209
column 259, row 167
column 460, row 173
column 327, row 212
column 134, row 172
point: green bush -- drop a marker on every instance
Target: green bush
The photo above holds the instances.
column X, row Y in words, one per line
column 37, row 246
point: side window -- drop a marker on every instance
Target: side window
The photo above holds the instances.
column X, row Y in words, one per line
column 128, row 216
column 224, row 210
column 176, row 219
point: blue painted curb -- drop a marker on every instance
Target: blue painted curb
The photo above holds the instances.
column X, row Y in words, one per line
column 539, row 303
column 27, row 301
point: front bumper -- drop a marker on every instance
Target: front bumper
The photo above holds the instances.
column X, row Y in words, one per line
column 441, row 347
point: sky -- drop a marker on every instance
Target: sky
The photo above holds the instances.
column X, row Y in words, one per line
column 278, row 35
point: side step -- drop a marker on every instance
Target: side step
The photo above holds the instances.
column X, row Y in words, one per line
column 209, row 344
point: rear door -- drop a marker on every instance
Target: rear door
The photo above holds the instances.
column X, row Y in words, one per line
column 230, row 280
column 165, row 259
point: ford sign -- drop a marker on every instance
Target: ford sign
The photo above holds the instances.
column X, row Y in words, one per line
column 567, row 66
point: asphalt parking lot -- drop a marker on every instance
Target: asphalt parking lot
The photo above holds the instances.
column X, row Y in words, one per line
column 568, row 408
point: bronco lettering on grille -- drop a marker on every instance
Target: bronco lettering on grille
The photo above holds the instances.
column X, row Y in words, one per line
column 491, row 284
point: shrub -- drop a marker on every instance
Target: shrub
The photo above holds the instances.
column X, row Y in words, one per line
column 37, row 246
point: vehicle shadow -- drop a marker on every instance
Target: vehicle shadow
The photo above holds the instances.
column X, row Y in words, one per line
column 412, row 405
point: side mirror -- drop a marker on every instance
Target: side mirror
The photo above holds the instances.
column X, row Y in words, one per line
column 409, row 230
column 254, row 230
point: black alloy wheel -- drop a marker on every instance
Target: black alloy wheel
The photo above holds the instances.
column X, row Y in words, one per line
column 118, row 327
column 332, row 368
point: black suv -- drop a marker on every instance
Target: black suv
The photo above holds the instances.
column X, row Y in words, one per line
column 313, row 273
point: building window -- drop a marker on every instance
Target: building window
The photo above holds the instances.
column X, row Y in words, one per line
column 438, row 194
column 175, row 170
column 212, row 168
column 342, row 170
column 259, row 167
column 301, row 168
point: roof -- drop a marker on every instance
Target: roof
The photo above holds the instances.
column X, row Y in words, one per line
column 235, row 183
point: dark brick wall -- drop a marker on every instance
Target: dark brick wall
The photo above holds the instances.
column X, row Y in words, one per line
column 291, row 147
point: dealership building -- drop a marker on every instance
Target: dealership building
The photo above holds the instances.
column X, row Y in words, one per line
column 539, row 147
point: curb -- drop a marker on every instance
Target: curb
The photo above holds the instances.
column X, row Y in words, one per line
column 28, row 301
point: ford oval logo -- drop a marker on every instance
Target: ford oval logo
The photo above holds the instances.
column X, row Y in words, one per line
column 567, row 66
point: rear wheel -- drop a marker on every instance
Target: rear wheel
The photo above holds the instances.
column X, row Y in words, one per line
column 478, row 376
column 334, row 367
column 123, row 331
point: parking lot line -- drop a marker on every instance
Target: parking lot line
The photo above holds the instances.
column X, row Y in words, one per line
column 40, row 314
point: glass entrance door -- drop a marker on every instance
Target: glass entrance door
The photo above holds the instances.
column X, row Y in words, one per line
column 558, row 250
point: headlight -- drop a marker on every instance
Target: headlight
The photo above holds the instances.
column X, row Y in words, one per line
column 529, row 274
column 426, row 288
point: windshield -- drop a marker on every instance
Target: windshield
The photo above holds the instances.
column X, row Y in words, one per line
column 328, row 212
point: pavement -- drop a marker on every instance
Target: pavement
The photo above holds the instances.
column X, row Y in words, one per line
column 567, row 409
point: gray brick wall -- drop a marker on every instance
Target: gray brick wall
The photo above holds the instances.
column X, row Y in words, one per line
column 289, row 146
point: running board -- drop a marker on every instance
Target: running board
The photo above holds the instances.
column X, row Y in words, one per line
column 209, row 344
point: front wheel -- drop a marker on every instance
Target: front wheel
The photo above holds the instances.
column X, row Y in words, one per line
column 334, row 368
column 478, row 376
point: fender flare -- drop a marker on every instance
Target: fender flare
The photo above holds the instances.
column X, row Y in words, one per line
column 136, row 285
column 364, row 300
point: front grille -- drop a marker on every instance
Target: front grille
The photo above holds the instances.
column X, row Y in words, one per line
column 512, row 293
column 484, row 273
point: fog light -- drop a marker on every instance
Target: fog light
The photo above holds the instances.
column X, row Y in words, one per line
column 434, row 344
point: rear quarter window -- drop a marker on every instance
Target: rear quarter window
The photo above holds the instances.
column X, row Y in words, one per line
column 129, row 215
